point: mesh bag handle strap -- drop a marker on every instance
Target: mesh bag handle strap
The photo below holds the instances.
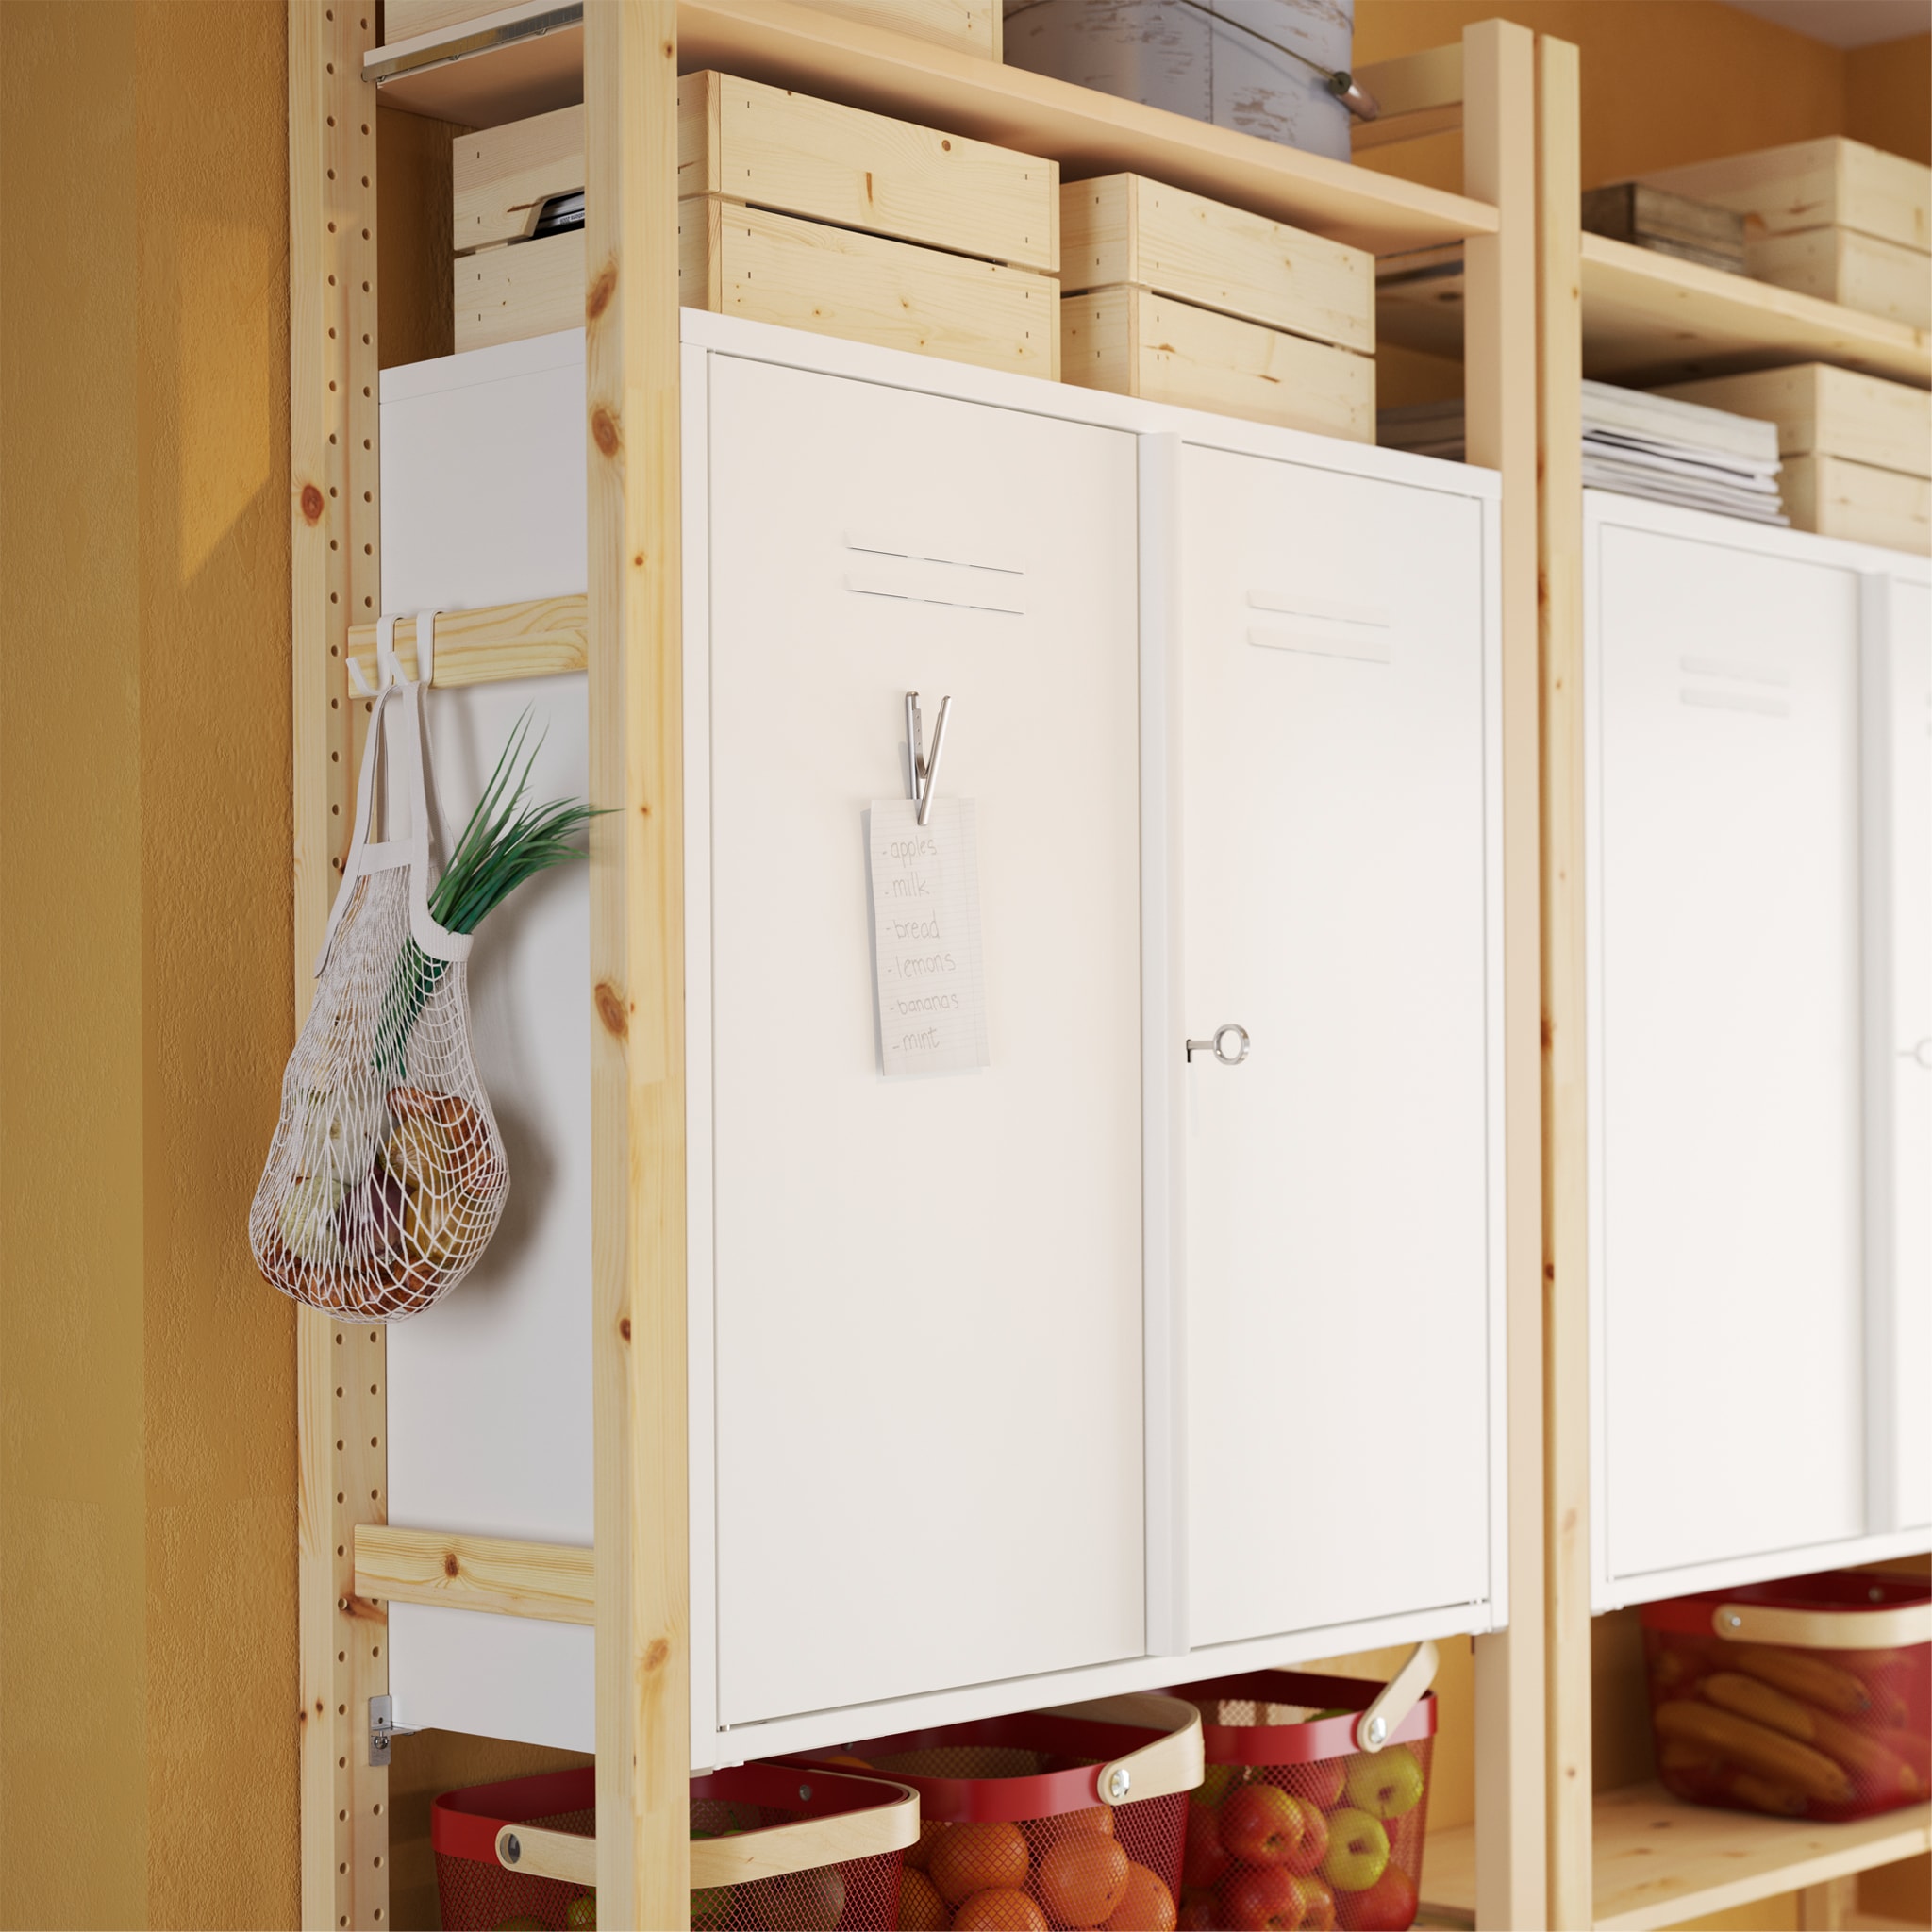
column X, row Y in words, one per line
column 1175, row 1761
column 1880, row 1629
column 370, row 855
column 773, row 1851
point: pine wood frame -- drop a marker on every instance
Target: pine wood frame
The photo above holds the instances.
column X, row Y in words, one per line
column 640, row 1597
column 335, row 565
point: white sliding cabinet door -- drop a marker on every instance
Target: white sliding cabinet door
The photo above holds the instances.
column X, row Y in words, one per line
column 1898, row 714
column 1725, row 1052
column 928, row 1290
column 1333, row 900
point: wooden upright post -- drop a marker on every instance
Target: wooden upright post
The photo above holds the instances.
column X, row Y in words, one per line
column 1499, row 364
column 637, row 964
column 1566, row 1352
column 335, row 568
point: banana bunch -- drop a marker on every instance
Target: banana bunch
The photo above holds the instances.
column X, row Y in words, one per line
column 1781, row 1731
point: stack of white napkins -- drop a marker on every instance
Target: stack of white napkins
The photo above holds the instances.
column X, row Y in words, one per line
column 1638, row 445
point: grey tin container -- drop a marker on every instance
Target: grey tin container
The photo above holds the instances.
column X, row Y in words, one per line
column 1169, row 54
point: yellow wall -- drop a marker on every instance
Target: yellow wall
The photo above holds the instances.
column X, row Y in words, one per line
column 147, row 1484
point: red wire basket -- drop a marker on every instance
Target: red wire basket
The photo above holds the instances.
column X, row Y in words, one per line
column 1315, row 1803
column 772, row 1850
column 1809, row 1698
column 1064, row 1818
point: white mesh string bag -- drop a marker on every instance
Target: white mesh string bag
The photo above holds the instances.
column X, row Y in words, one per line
column 387, row 1176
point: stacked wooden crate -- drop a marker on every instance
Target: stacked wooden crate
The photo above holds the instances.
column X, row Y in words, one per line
column 1831, row 218
column 790, row 211
column 1667, row 224
column 1856, row 450
column 1168, row 295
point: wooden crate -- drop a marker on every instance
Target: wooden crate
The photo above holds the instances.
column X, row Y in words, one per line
column 1842, row 265
column 1815, row 184
column 1824, row 411
column 1839, row 498
column 802, row 275
column 1125, row 229
column 1648, row 217
column 789, row 152
column 1139, row 343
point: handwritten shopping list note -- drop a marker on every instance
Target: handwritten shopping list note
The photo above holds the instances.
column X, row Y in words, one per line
column 928, row 970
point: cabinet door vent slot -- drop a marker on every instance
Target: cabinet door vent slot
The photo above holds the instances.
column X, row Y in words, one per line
column 1322, row 610
column 1364, row 650
column 1758, row 703
column 1733, row 671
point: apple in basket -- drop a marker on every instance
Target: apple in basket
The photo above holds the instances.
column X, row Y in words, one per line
column 1386, row 1784
column 1358, row 1851
column 1320, row 1783
column 1263, row 1899
column 1320, row 1913
column 1262, row 1825
column 1390, row 1905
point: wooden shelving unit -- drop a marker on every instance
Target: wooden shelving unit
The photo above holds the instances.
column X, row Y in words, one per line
column 1650, row 319
column 1625, row 1854
column 1659, row 1862
column 620, row 59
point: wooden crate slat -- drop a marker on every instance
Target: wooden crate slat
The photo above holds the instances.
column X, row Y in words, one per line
column 1134, row 342
column 1812, row 184
column 791, row 153
column 802, row 274
column 1865, row 505
column 1827, row 411
column 1124, row 228
column 1861, row 272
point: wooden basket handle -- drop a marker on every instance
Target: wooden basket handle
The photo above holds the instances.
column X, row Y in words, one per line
column 773, row 1851
column 1887, row 1629
column 568, row 1856
column 1175, row 1762
column 1396, row 1699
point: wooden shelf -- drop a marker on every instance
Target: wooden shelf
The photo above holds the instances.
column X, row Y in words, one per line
column 1659, row 1862
column 463, row 77
column 1649, row 319
column 1649, row 316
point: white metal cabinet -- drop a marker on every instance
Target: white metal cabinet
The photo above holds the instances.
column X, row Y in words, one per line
column 1336, row 897
column 1898, row 993
column 919, row 1354
column 927, row 1291
column 1731, row 1415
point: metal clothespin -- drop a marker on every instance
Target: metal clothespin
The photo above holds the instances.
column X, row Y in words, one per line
column 925, row 771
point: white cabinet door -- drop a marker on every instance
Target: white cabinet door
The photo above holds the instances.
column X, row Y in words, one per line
column 1725, row 1052
column 1898, row 701
column 927, row 1291
column 1333, row 900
